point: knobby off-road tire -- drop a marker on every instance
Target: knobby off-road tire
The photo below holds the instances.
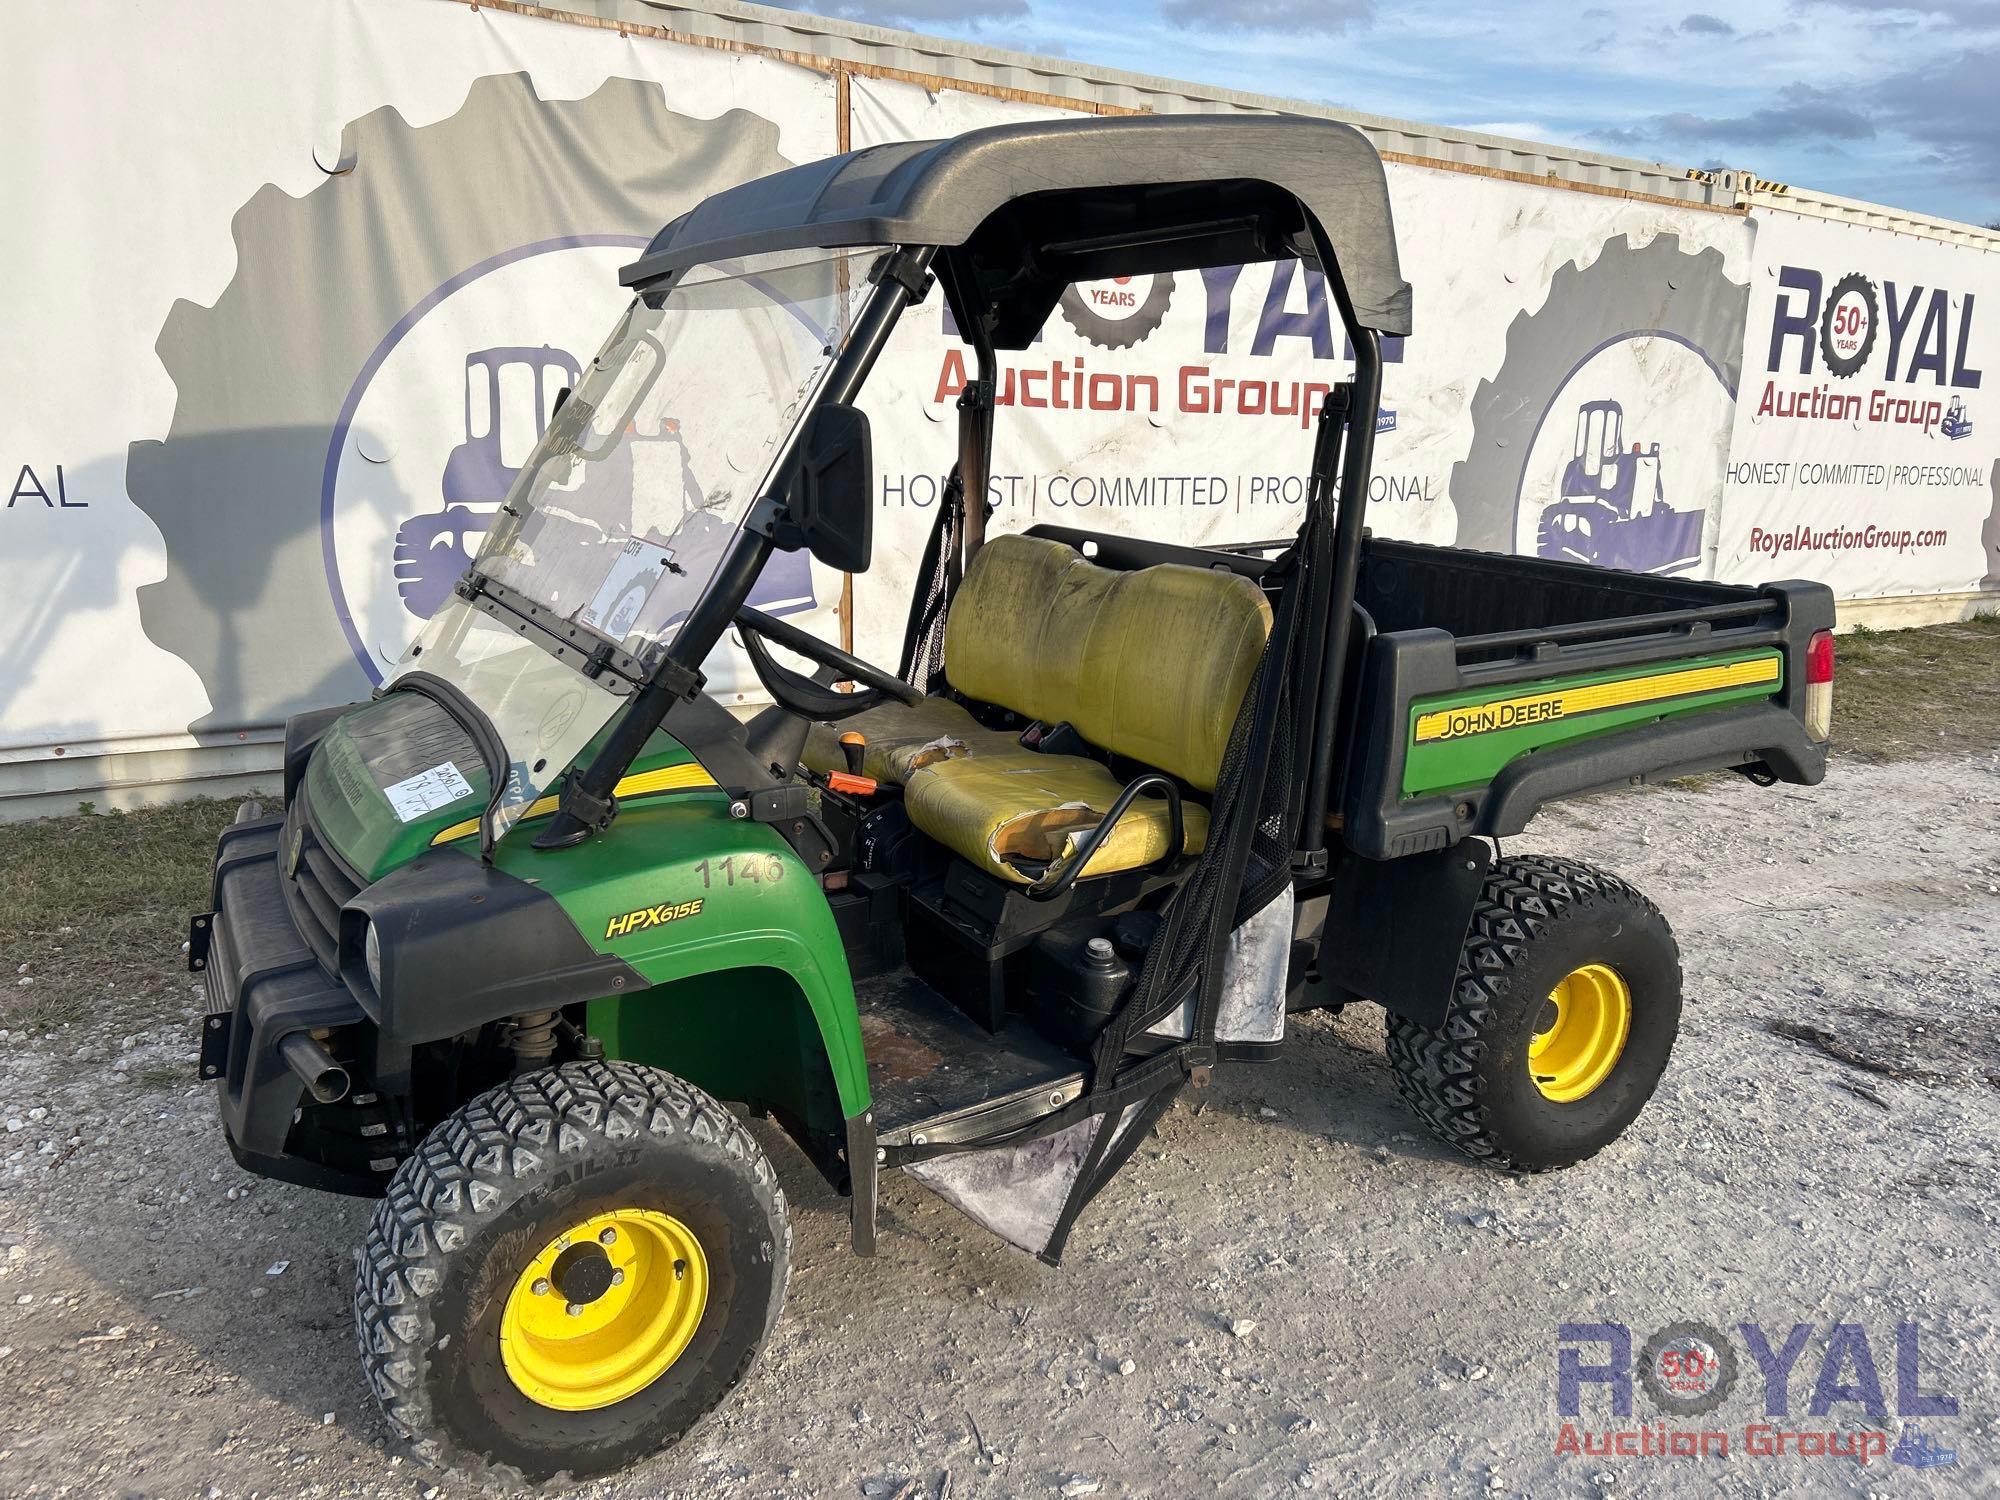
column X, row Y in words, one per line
column 491, row 1187
column 1537, row 921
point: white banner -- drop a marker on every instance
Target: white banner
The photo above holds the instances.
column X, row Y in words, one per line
column 1867, row 443
column 287, row 312
column 1181, row 407
column 285, row 316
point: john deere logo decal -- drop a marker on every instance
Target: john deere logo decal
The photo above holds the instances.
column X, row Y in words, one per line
column 1484, row 718
column 1565, row 703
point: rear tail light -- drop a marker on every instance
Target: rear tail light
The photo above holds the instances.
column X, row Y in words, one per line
column 1819, row 686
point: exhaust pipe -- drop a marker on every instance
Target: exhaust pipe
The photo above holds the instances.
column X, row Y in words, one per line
column 325, row 1079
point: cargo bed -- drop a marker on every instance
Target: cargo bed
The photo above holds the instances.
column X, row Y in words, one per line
column 1486, row 685
column 1490, row 685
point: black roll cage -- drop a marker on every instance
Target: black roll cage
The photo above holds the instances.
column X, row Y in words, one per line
column 1331, row 534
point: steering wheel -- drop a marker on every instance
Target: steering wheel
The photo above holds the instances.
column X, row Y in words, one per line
column 804, row 695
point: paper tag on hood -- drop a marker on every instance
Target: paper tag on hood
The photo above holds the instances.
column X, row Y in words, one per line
column 427, row 791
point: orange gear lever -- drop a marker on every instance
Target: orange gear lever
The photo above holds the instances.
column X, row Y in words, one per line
column 853, row 745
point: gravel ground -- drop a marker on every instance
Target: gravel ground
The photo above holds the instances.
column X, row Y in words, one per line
column 1289, row 1289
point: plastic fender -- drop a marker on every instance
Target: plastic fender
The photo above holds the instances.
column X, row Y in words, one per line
column 679, row 889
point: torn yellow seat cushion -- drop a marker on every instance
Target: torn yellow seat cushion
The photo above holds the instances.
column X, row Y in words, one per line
column 993, row 809
column 903, row 736
column 1151, row 664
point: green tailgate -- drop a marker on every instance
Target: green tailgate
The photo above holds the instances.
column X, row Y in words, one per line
column 1462, row 740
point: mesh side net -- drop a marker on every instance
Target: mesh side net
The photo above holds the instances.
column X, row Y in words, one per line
column 937, row 578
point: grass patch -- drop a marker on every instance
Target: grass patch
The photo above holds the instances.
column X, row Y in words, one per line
column 1903, row 693
column 97, row 907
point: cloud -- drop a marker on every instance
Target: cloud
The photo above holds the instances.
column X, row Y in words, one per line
column 1703, row 24
column 916, row 14
column 1294, row 17
column 1948, row 107
column 1625, row 138
column 1801, row 113
column 1965, row 12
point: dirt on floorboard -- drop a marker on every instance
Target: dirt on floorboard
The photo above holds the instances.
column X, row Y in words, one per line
column 1310, row 1293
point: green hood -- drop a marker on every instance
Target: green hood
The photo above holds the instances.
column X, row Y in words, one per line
column 382, row 780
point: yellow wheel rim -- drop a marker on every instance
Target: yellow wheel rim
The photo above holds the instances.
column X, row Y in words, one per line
column 604, row 1310
column 1580, row 1033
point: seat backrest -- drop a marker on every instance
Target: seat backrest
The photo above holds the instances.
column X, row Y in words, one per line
column 1151, row 664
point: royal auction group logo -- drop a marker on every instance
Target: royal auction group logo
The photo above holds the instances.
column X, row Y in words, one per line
column 1847, row 326
column 1914, row 342
column 1691, row 1370
column 1688, row 1368
column 1118, row 313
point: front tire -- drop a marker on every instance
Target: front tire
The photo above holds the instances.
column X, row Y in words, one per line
column 570, row 1272
column 1561, row 1020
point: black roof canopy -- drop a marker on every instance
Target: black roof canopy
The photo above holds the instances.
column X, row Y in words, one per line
column 1021, row 211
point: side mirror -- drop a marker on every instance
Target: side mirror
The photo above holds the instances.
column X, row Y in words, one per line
column 830, row 499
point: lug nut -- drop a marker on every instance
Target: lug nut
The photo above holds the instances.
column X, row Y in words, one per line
column 618, row 1278
column 609, row 1237
column 541, row 1286
column 574, row 1309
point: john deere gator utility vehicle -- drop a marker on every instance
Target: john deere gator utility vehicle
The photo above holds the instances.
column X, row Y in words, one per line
column 529, row 917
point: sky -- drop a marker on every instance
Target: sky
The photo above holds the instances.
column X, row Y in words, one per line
column 1892, row 101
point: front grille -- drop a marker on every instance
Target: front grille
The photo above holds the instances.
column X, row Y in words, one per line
column 316, row 883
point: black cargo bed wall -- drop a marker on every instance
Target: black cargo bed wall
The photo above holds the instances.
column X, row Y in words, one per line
column 1407, row 586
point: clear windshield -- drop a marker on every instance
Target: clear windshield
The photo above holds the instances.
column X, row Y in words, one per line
column 627, row 505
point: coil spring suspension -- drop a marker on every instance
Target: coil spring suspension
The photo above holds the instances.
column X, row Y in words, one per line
column 533, row 1039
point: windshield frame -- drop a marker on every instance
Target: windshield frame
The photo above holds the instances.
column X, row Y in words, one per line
column 607, row 660
column 898, row 277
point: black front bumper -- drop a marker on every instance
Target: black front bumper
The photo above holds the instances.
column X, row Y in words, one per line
column 264, row 981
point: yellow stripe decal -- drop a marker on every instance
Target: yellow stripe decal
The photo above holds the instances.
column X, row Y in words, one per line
column 687, row 777
column 1565, row 703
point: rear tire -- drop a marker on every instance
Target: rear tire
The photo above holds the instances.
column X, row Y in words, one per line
column 1538, row 922
column 458, row 1246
